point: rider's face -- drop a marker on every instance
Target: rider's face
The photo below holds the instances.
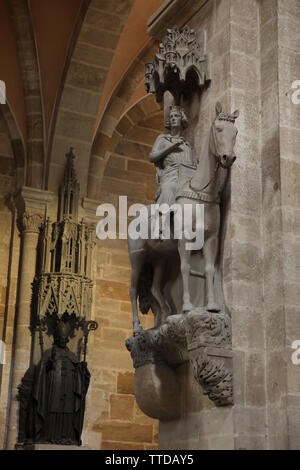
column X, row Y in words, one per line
column 175, row 119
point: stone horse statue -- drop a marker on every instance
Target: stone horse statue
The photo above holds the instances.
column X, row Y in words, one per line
column 148, row 256
column 205, row 188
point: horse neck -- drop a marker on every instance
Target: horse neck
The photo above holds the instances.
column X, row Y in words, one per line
column 206, row 171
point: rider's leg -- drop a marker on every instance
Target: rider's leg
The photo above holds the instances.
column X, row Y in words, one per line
column 210, row 250
column 185, row 256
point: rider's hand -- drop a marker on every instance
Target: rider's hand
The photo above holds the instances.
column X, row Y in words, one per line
column 176, row 145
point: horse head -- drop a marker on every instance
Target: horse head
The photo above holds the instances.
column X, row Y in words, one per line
column 223, row 137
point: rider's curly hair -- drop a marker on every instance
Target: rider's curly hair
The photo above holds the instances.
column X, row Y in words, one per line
column 184, row 119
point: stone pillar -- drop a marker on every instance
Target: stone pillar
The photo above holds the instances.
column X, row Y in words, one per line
column 252, row 49
column 287, row 185
column 31, row 205
column 90, row 438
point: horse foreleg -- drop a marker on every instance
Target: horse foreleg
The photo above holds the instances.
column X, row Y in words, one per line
column 137, row 261
column 210, row 249
column 185, row 264
column 161, row 317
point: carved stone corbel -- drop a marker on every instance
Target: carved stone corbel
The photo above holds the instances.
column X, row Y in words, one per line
column 213, row 374
column 143, row 349
column 201, row 338
column 209, row 344
column 156, row 387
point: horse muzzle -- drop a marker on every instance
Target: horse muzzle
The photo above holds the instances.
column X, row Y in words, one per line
column 226, row 161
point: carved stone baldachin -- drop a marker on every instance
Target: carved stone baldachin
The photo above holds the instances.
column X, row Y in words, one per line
column 63, row 284
column 180, row 64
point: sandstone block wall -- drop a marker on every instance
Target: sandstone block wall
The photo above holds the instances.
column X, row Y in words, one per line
column 9, row 256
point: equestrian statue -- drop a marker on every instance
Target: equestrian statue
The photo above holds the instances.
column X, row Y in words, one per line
column 181, row 183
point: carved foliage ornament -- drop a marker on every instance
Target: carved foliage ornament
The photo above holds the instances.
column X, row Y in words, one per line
column 31, row 222
column 209, row 329
column 204, row 338
column 214, row 377
column 143, row 350
column 180, row 61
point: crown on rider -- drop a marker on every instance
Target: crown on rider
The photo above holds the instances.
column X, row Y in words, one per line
column 180, row 110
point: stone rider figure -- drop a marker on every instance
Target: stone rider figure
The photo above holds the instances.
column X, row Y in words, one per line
column 172, row 156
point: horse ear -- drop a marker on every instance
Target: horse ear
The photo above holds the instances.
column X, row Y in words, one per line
column 218, row 108
column 236, row 114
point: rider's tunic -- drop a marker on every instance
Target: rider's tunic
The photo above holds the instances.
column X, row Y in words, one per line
column 173, row 170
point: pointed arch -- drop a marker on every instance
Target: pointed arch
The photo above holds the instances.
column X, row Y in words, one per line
column 89, row 59
column 21, row 19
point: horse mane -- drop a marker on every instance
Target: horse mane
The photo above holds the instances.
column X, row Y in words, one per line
column 206, row 147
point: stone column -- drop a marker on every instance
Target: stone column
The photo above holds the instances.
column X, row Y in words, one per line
column 31, row 205
column 87, row 212
column 252, row 49
column 286, row 183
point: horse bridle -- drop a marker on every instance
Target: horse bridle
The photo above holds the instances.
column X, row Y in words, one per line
column 219, row 163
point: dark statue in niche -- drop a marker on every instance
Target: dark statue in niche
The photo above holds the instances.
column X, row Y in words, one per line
column 52, row 395
column 53, row 390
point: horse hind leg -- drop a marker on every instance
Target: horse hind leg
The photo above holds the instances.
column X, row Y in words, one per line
column 163, row 311
column 137, row 262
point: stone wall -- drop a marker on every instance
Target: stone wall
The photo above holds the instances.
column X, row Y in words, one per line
column 9, row 254
column 273, row 300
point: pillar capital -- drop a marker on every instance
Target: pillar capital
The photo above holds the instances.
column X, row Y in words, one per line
column 31, row 222
column 31, row 205
column 32, row 200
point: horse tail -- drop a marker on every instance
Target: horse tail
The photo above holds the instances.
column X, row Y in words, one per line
column 146, row 299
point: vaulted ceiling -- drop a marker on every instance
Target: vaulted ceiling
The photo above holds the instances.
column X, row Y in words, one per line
column 73, row 69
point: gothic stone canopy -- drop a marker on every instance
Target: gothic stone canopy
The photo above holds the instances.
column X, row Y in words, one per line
column 180, row 65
